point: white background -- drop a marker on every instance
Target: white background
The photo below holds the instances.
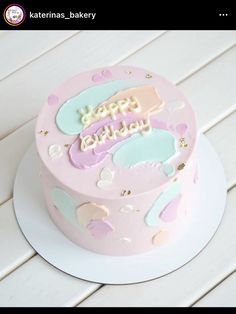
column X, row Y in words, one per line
column 32, row 64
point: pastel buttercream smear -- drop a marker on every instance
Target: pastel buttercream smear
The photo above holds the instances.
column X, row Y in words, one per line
column 117, row 152
column 68, row 119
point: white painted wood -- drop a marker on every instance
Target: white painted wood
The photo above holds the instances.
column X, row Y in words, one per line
column 186, row 285
column 177, row 54
column 12, row 149
column 24, row 92
column 211, row 91
column 223, row 138
column 223, row 295
column 3, row 34
column 19, row 48
column 14, row 249
column 39, row 284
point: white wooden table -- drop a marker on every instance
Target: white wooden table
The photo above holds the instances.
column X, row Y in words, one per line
column 32, row 64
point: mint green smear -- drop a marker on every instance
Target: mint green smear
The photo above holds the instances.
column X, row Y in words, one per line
column 169, row 170
column 157, row 146
column 64, row 203
column 68, row 118
column 151, row 218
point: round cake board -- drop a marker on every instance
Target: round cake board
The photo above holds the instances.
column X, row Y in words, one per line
column 54, row 247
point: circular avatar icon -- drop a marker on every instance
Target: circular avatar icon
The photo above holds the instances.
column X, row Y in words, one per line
column 14, row 14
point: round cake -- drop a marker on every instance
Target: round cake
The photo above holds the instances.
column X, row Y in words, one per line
column 116, row 149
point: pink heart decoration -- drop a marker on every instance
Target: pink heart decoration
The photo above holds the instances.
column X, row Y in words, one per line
column 181, row 129
column 97, row 78
column 104, row 75
column 53, row 100
column 107, row 74
column 169, row 213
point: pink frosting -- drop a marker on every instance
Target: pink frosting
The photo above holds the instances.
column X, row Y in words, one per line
column 53, row 100
column 87, row 159
column 181, row 129
column 81, row 159
column 102, row 76
column 99, row 228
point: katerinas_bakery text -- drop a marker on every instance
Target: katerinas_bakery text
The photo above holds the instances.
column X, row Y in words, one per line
column 62, row 15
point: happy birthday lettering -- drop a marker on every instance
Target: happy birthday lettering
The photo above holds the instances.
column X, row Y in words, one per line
column 109, row 133
column 90, row 115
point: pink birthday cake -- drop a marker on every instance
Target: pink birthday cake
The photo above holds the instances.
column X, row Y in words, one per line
column 117, row 155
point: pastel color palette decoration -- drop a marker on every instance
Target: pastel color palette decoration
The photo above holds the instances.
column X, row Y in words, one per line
column 90, row 211
column 151, row 218
column 158, row 146
column 161, row 237
column 64, row 203
column 168, row 169
column 68, row 118
column 170, row 212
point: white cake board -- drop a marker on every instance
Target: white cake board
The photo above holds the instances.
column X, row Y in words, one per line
column 55, row 248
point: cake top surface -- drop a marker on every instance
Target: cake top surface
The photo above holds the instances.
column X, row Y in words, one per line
column 116, row 131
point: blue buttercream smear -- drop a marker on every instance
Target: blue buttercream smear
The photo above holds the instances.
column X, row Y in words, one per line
column 151, row 218
column 68, row 117
column 64, row 203
column 169, row 170
column 157, row 146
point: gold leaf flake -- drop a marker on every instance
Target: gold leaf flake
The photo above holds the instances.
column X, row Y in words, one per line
column 181, row 166
column 125, row 192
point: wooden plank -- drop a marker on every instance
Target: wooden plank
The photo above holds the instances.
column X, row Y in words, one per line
column 184, row 286
column 19, row 48
column 14, row 249
column 211, row 91
column 39, row 284
column 180, row 53
column 12, row 149
column 224, row 295
column 24, row 92
column 223, row 138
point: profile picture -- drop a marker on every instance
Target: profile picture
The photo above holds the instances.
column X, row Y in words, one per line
column 14, row 15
